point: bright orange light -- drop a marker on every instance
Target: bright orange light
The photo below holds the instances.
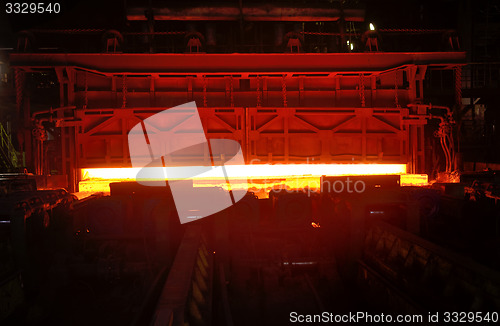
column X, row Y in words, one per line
column 261, row 187
column 261, row 171
column 92, row 186
column 414, row 180
column 260, row 178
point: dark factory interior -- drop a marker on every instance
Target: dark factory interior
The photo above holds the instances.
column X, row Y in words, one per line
column 237, row 162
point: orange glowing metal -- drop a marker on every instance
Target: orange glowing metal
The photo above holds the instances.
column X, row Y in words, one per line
column 263, row 171
column 414, row 180
column 92, row 186
column 260, row 178
column 261, row 187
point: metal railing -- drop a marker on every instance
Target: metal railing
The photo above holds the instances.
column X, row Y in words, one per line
column 186, row 297
column 432, row 275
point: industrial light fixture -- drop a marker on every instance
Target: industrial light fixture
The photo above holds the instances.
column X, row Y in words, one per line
column 350, row 45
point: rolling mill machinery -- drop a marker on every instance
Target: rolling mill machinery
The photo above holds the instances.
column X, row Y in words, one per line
column 314, row 96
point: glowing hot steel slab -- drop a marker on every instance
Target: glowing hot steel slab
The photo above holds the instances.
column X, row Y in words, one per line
column 260, row 179
column 261, row 171
column 414, row 180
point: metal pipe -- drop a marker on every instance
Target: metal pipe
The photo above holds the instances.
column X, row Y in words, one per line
column 51, row 111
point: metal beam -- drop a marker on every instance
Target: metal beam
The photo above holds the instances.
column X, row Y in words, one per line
column 248, row 13
column 236, row 63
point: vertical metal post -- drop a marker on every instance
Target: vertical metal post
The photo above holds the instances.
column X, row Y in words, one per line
column 265, row 95
column 362, row 115
column 124, row 91
column 342, row 28
column 373, row 90
column 396, row 97
column 286, row 126
column 152, row 91
column 283, row 91
column 28, row 136
column 421, row 168
column 231, row 90
column 301, row 91
column 337, row 89
column 19, row 80
column 259, row 100
column 362, row 90
column 458, row 86
column 86, row 100
column 414, row 149
column 247, row 134
column 189, row 95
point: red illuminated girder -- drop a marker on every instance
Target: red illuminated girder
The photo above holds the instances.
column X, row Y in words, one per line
column 267, row 135
column 247, row 80
column 337, row 106
column 202, row 64
column 266, row 12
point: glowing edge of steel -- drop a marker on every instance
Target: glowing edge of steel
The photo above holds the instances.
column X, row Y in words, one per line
column 258, row 171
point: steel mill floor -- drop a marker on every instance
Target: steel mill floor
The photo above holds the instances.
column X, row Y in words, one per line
column 126, row 259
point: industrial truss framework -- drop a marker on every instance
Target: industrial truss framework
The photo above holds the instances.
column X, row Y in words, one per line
column 281, row 108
